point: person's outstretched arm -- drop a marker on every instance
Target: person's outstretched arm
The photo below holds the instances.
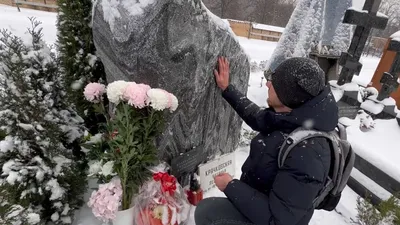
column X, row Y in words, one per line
column 257, row 118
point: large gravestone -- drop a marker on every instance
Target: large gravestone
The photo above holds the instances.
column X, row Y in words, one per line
column 315, row 30
column 334, row 38
column 301, row 33
column 174, row 45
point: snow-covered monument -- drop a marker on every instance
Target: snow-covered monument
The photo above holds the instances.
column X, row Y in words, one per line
column 315, row 30
column 174, row 45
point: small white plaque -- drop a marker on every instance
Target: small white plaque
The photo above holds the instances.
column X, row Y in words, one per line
column 223, row 164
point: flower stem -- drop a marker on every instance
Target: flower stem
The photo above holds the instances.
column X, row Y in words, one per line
column 105, row 113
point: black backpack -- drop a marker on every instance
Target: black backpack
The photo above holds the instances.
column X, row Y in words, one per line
column 343, row 158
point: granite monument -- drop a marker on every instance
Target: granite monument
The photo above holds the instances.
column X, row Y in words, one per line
column 174, row 45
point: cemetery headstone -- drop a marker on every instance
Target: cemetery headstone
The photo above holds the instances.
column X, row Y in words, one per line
column 185, row 164
column 348, row 110
column 365, row 20
column 174, row 45
column 335, row 38
column 389, row 64
column 390, row 80
column 349, row 102
column 314, row 30
column 386, row 79
column 328, row 63
column 302, row 31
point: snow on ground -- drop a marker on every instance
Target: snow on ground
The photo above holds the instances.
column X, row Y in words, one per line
column 268, row 27
column 377, row 146
column 258, row 50
column 367, row 72
column 258, row 91
column 372, row 186
column 18, row 22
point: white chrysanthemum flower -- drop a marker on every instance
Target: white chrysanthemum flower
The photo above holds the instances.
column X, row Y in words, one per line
column 174, row 102
column 115, row 91
column 108, row 168
column 158, row 99
column 94, row 167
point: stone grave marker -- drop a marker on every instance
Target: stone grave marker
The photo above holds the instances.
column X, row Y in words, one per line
column 388, row 63
column 390, row 80
column 381, row 109
column 365, row 20
column 185, row 164
column 347, row 110
column 328, row 63
column 349, row 103
column 174, row 45
column 387, row 82
column 334, row 38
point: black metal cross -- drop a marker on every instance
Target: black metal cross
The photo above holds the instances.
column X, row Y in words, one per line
column 365, row 21
column 390, row 80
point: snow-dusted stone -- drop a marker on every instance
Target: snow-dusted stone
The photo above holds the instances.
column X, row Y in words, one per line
column 372, row 107
column 315, row 26
column 174, row 45
column 396, row 36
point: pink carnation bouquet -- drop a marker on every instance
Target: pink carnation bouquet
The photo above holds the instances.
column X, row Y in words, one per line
column 125, row 148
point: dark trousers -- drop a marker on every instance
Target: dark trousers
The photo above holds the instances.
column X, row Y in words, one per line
column 218, row 211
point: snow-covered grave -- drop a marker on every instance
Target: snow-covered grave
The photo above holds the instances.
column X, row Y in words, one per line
column 378, row 146
column 396, row 36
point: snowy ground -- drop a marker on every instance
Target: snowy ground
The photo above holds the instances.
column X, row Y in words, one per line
column 18, row 22
column 377, row 146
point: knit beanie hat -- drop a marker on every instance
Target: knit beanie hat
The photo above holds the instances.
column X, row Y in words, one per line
column 298, row 80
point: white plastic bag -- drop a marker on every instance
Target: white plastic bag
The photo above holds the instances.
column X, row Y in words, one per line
column 161, row 200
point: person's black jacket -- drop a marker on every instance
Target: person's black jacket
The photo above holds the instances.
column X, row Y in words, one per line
column 265, row 194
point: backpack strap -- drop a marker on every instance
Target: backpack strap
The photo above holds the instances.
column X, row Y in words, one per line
column 342, row 161
column 299, row 135
column 347, row 157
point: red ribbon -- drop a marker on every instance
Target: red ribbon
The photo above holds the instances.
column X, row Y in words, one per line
column 168, row 182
